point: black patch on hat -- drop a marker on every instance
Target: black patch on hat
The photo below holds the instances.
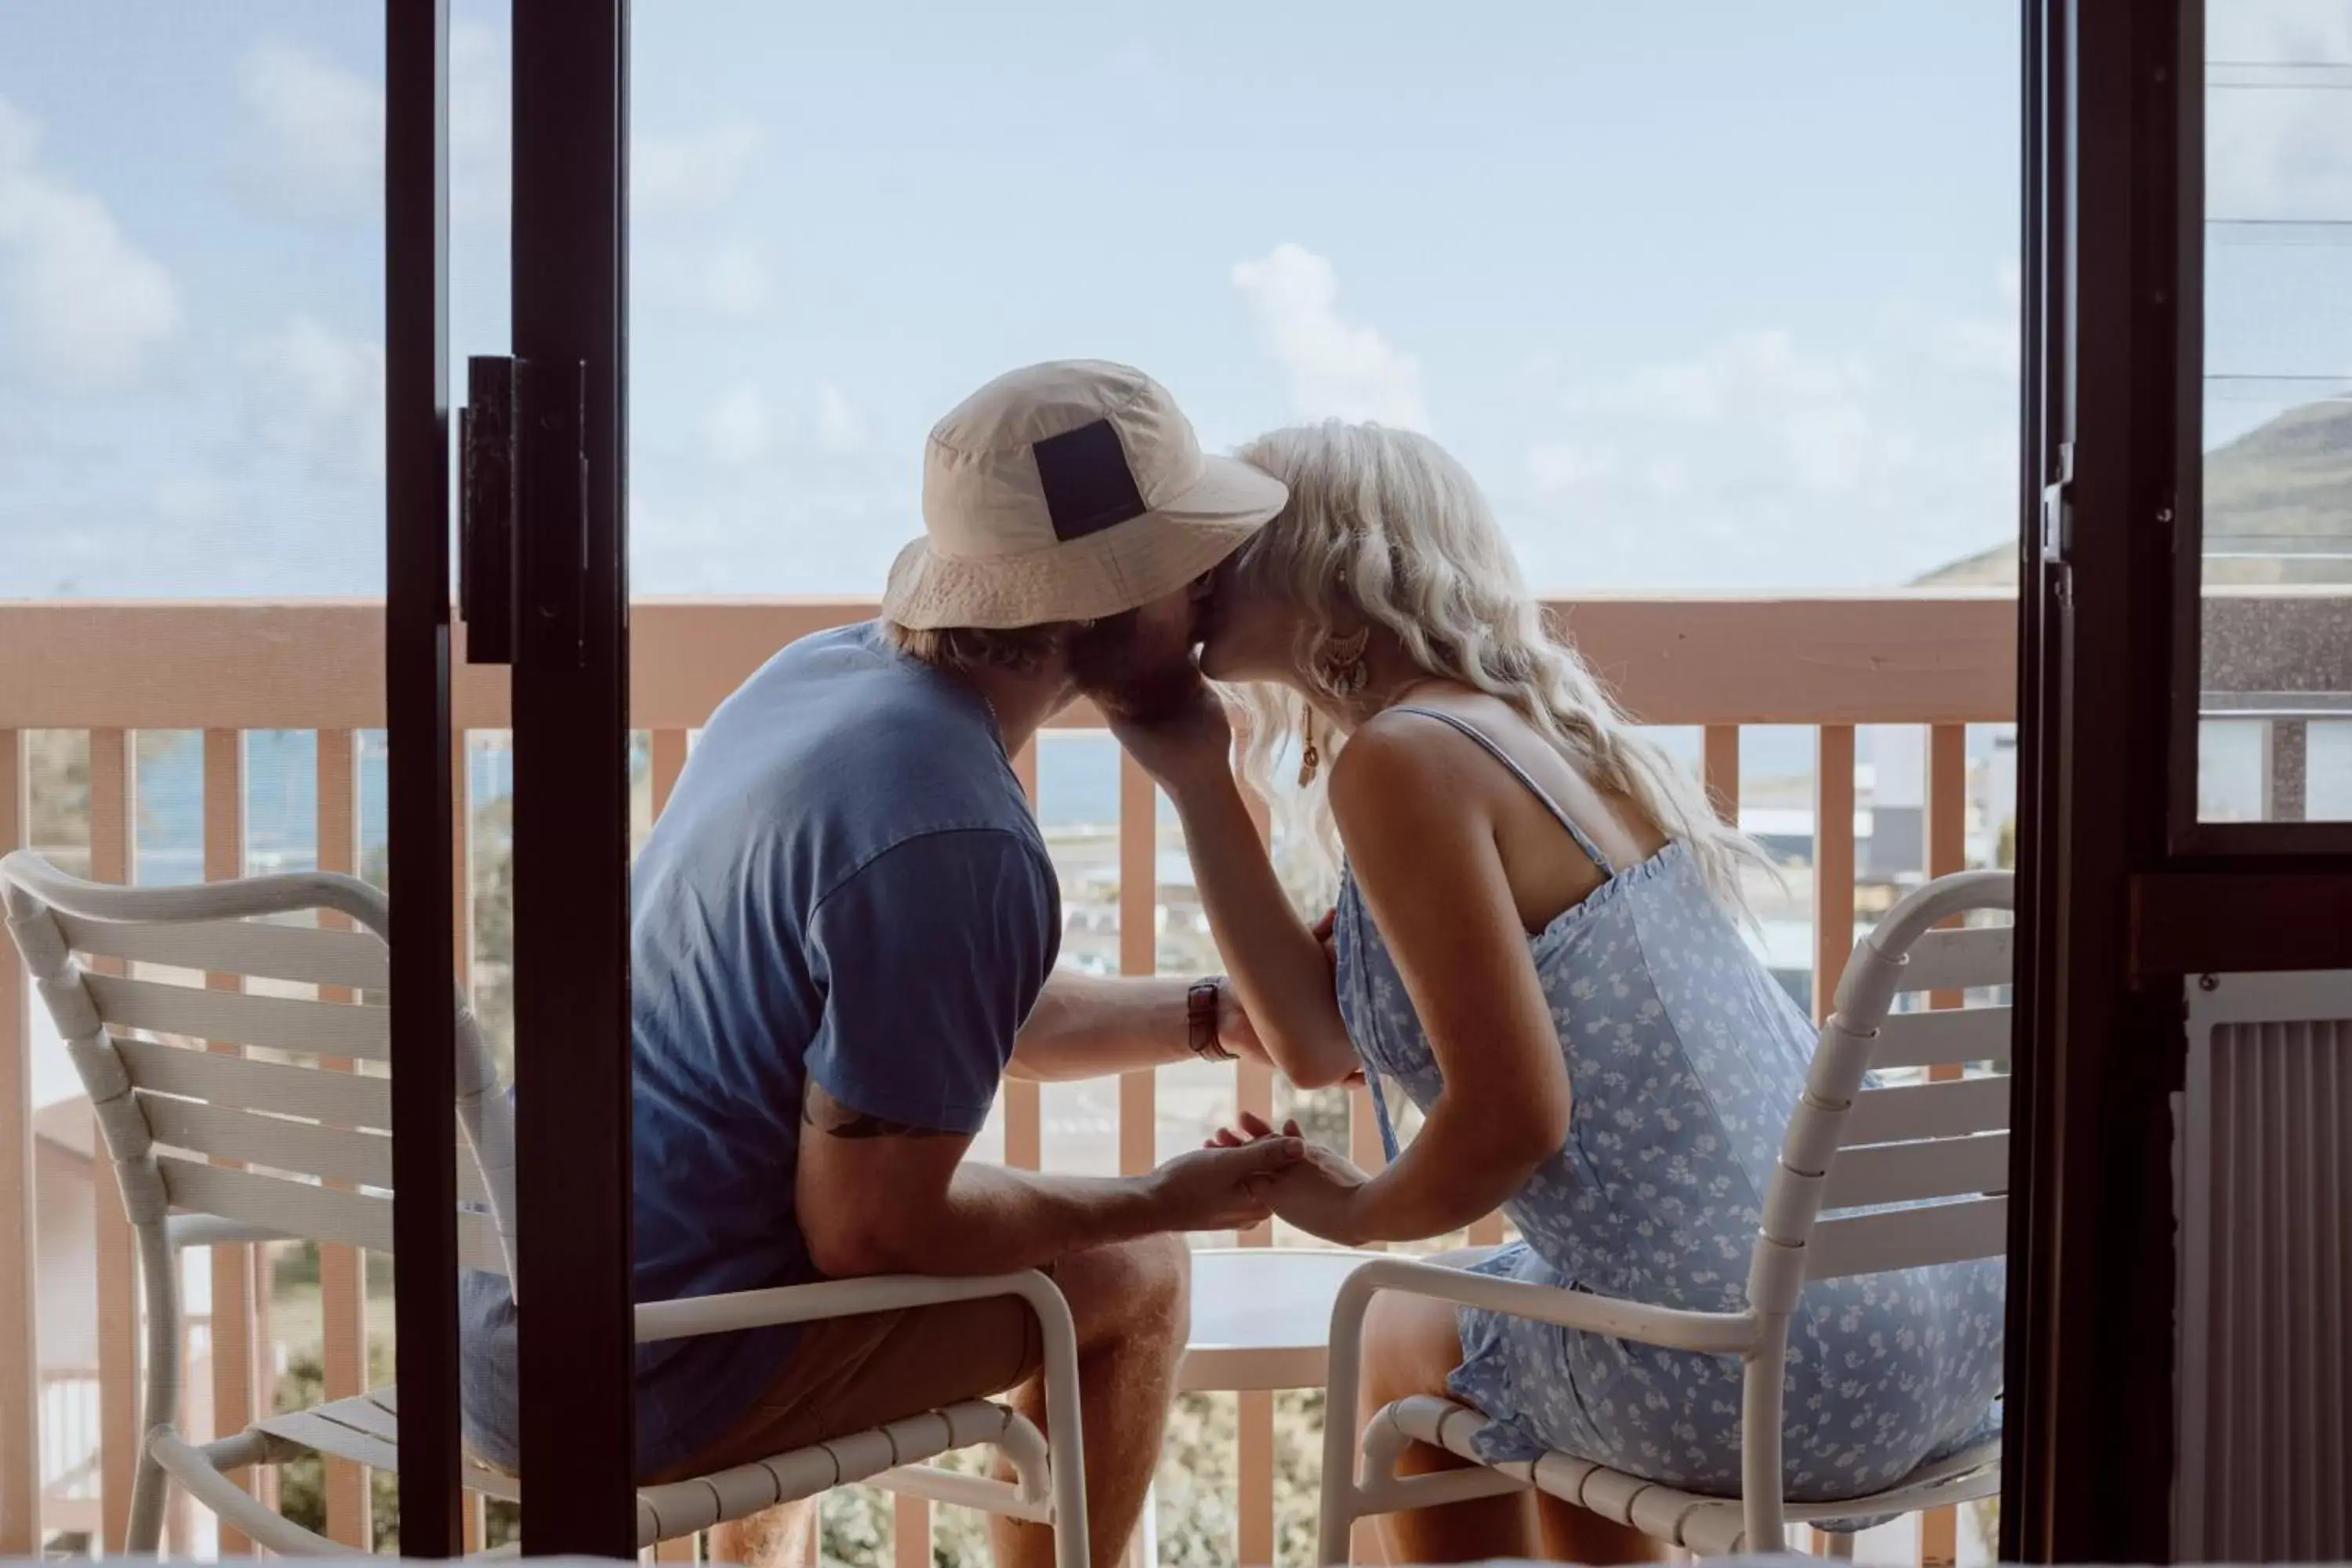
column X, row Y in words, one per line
column 1088, row 486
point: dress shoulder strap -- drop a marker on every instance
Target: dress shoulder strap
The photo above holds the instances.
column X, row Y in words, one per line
column 1487, row 742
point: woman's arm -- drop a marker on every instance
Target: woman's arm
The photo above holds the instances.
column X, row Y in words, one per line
column 1277, row 964
column 1425, row 858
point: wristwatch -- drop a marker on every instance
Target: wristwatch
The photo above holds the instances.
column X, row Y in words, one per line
column 1202, row 1002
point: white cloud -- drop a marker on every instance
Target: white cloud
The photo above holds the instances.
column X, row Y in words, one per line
column 1988, row 342
column 1809, row 406
column 690, row 172
column 1336, row 368
column 1561, row 467
column 738, row 429
column 191, row 497
column 321, row 151
column 737, row 282
column 323, row 125
column 320, row 395
column 86, row 308
column 839, row 428
column 2272, row 152
column 481, row 124
column 1669, row 479
column 1763, row 460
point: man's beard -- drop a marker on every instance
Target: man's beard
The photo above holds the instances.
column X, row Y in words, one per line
column 1110, row 664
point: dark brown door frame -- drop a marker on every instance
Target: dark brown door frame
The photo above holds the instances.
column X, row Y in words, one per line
column 2115, row 904
column 572, row 773
column 562, row 418
column 417, row 807
column 2090, row 1313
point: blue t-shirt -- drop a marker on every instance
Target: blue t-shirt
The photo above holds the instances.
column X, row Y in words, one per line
column 848, row 884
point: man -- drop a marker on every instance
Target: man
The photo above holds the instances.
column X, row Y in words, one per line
column 844, row 936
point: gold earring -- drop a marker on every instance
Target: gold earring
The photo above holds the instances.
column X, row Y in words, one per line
column 1309, row 758
column 1343, row 663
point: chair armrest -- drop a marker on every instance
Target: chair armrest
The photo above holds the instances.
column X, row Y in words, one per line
column 1716, row 1333
column 692, row 1316
column 184, row 1230
column 1064, row 1431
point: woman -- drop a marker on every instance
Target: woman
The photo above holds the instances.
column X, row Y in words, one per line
column 1537, row 936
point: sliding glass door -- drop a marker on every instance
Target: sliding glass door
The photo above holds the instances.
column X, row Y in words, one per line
column 541, row 532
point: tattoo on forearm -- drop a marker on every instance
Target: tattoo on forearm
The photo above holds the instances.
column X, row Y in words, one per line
column 829, row 1116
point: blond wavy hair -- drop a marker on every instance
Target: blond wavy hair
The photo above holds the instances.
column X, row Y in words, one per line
column 1384, row 528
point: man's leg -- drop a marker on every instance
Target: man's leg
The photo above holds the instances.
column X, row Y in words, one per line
column 1132, row 1305
column 783, row 1537
column 850, row 1375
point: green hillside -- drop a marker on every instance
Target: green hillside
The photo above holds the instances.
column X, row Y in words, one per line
column 2283, row 488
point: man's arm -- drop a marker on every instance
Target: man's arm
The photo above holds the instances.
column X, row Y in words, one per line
column 931, row 956
column 876, row 1196
column 1092, row 1026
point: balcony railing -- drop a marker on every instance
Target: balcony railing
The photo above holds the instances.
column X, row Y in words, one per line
column 1828, row 664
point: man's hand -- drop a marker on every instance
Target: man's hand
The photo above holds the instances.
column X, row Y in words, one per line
column 1224, row 1188
column 1317, row 1195
column 1179, row 733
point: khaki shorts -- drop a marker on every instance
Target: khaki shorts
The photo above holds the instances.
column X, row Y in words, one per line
column 847, row 1374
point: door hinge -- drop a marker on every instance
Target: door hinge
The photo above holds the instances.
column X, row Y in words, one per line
column 489, row 477
column 2058, row 511
column 519, row 439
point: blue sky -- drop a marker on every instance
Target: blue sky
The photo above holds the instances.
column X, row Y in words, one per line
column 1708, row 296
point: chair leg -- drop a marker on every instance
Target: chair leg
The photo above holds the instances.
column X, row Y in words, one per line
column 1833, row 1543
column 150, row 1487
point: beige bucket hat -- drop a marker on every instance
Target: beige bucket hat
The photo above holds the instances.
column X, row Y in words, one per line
column 1068, row 491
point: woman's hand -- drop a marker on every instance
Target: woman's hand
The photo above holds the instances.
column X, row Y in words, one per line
column 1179, row 733
column 1318, row 1193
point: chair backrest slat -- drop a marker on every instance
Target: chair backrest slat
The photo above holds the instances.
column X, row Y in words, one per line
column 279, row 1143
column 1914, row 1110
column 1962, row 959
column 304, row 1209
column 309, row 1136
column 272, row 1023
column 1943, row 1036
column 1918, row 1238
column 1910, row 1172
column 337, row 1099
column 266, row 949
column 1877, row 1175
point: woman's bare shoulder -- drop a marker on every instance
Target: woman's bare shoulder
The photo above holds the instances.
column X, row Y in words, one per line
column 1400, row 765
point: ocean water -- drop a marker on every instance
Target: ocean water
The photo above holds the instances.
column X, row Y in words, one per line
column 1078, row 782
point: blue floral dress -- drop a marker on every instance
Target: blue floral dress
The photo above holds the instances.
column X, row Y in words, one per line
column 1684, row 1060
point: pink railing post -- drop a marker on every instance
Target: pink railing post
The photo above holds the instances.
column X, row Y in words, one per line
column 1719, row 769
column 1024, row 1118
column 112, row 796
column 1833, row 862
column 20, row 1407
column 1138, row 949
column 239, row 1274
column 342, row 1270
column 1947, row 851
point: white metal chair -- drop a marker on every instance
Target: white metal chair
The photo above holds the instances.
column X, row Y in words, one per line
column 219, row 1148
column 1941, row 1145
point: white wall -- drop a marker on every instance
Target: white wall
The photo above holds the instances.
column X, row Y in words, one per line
column 67, row 1260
